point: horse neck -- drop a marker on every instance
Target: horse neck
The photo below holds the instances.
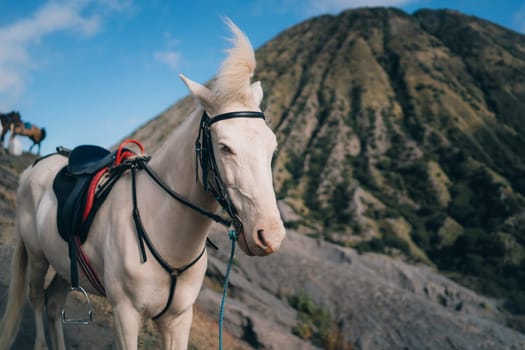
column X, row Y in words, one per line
column 178, row 228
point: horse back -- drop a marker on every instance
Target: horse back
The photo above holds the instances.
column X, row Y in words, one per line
column 36, row 180
column 37, row 208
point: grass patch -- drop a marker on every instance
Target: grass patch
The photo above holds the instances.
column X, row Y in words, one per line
column 316, row 324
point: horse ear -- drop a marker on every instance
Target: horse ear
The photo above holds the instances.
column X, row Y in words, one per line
column 204, row 96
column 257, row 92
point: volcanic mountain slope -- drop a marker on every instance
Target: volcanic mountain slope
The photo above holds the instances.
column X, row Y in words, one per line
column 402, row 107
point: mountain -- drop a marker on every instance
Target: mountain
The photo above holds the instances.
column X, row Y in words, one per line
column 405, row 132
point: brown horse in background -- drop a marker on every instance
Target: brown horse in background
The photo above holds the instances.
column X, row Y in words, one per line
column 7, row 120
column 12, row 122
column 34, row 133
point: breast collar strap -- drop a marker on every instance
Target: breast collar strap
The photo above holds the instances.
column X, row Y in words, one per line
column 211, row 178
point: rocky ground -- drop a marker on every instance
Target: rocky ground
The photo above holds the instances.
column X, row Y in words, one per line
column 379, row 302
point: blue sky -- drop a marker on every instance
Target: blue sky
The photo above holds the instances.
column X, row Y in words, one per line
column 91, row 71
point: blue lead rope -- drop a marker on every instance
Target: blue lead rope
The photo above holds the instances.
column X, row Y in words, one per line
column 232, row 235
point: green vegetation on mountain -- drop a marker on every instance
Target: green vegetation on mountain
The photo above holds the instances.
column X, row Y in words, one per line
column 404, row 135
column 316, row 324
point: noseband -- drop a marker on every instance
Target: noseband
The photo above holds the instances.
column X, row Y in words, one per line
column 205, row 156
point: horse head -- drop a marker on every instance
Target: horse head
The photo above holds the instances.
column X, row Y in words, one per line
column 243, row 147
column 11, row 116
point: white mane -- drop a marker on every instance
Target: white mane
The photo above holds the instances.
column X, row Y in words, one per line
column 233, row 80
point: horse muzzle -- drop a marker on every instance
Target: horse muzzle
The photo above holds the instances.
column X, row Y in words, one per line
column 262, row 239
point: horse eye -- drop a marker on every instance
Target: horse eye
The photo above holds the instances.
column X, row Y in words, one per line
column 225, row 149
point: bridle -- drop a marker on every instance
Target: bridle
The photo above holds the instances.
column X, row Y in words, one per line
column 205, row 157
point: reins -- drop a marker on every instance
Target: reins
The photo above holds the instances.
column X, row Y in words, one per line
column 217, row 218
column 232, row 235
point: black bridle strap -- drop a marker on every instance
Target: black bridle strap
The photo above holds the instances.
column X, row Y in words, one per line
column 178, row 197
column 231, row 115
column 206, row 158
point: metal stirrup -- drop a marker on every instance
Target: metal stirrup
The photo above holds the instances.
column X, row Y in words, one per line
column 77, row 321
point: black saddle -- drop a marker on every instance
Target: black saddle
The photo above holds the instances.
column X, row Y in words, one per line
column 71, row 186
column 88, row 160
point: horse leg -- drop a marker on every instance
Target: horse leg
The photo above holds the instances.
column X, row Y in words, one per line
column 55, row 298
column 37, row 272
column 127, row 325
column 2, row 137
column 175, row 331
column 12, row 131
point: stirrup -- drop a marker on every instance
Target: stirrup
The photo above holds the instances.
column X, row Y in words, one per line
column 78, row 321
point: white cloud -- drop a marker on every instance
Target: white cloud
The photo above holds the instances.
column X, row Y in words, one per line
column 81, row 17
column 170, row 58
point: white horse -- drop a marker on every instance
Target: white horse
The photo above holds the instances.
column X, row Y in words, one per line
column 243, row 149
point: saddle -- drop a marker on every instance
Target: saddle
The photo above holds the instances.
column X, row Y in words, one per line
column 80, row 189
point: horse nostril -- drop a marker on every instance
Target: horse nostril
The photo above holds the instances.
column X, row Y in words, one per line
column 261, row 239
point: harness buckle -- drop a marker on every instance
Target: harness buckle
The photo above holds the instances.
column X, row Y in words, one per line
column 78, row 321
column 175, row 273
